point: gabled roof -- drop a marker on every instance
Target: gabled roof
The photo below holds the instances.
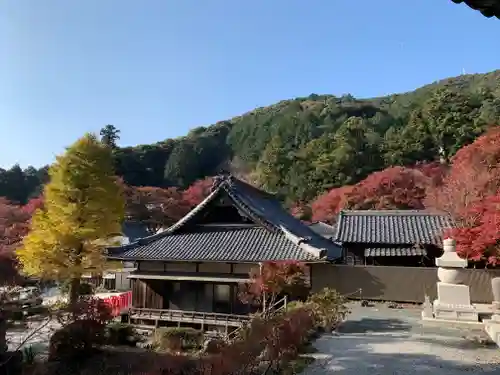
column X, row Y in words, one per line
column 276, row 235
column 488, row 8
column 392, row 227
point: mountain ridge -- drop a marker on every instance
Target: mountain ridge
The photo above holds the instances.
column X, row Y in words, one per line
column 303, row 146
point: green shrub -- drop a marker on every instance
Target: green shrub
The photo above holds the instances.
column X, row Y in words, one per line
column 76, row 340
column 177, row 338
column 295, row 305
column 29, row 355
column 121, row 334
column 329, row 308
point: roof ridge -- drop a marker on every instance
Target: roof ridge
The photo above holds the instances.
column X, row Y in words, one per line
column 321, row 223
column 302, row 242
column 423, row 212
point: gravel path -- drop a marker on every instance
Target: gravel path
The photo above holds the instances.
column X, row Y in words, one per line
column 377, row 340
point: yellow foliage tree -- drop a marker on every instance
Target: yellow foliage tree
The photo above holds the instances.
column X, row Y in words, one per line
column 83, row 209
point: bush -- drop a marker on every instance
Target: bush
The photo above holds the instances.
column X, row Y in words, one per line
column 87, row 308
column 213, row 346
column 176, row 338
column 76, row 340
column 295, row 305
column 329, row 308
column 121, row 334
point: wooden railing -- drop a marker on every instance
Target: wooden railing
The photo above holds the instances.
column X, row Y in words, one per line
column 271, row 310
column 188, row 316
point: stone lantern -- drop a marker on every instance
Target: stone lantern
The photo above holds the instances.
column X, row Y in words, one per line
column 453, row 302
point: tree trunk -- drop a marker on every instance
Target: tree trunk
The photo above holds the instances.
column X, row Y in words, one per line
column 74, row 285
column 3, row 334
column 74, row 291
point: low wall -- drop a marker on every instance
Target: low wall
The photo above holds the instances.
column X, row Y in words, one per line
column 400, row 284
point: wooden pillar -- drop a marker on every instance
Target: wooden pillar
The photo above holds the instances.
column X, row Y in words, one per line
column 264, row 296
column 231, row 298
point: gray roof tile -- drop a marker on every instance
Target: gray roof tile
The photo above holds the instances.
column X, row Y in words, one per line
column 220, row 244
column 394, row 251
column 391, row 227
column 278, row 235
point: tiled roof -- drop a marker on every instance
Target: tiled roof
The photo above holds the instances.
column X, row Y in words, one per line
column 394, row 251
column 489, row 8
column 278, row 235
column 391, row 227
column 220, row 244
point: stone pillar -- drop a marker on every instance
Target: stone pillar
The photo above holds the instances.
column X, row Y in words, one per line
column 492, row 326
column 453, row 302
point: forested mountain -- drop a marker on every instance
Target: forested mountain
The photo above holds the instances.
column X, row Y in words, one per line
column 301, row 147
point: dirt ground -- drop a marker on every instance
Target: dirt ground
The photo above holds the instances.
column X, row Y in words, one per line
column 378, row 340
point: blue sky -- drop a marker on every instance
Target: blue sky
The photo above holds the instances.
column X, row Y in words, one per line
column 157, row 68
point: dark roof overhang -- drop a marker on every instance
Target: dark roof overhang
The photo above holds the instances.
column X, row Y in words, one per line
column 488, row 8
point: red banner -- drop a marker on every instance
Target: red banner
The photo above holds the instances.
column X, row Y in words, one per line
column 119, row 303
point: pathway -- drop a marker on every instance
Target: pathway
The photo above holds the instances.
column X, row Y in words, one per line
column 378, row 340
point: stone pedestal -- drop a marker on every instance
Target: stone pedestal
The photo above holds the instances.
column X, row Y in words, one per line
column 453, row 302
column 492, row 326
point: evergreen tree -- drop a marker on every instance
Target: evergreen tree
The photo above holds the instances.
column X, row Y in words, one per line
column 273, row 166
column 83, row 207
column 109, row 135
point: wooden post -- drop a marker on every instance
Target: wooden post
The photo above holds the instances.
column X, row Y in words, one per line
column 264, row 296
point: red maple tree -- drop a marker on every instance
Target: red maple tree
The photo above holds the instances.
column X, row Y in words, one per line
column 156, row 207
column 14, row 225
column 479, row 241
column 474, row 174
column 197, row 192
column 391, row 188
column 272, row 279
column 327, row 206
column 436, row 171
